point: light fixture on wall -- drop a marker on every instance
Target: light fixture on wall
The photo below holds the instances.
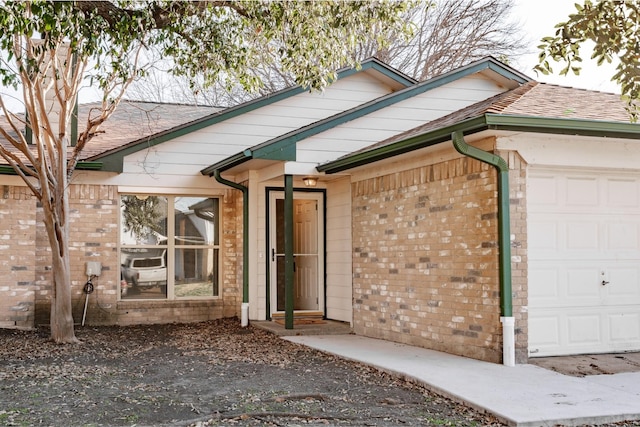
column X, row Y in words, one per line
column 310, row 181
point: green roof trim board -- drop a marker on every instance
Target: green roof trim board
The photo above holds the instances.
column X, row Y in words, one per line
column 113, row 161
column 485, row 122
column 87, row 166
column 274, row 148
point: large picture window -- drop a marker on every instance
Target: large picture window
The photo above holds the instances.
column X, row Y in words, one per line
column 169, row 247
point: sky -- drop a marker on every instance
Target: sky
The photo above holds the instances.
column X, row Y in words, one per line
column 538, row 18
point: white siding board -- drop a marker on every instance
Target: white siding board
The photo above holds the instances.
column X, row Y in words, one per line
column 150, row 180
column 402, row 116
column 187, row 154
column 233, row 128
column 339, row 251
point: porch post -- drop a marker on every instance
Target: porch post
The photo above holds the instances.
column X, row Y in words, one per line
column 288, row 251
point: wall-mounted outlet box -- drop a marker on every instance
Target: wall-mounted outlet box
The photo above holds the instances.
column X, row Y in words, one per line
column 94, row 268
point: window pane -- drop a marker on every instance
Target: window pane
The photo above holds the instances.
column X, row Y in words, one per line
column 143, row 220
column 143, row 273
column 196, row 272
column 196, row 220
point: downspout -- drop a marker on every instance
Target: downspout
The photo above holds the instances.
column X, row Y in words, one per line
column 504, row 242
column 245, row 244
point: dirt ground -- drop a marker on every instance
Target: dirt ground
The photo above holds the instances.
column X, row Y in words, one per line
column 590, row 364
column 205, row 374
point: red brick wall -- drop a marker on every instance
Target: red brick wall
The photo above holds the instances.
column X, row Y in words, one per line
column 425, row 259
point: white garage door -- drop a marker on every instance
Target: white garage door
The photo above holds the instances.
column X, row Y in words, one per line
column 584, row 262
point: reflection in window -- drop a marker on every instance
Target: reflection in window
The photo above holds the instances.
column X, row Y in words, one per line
column 196, row 272
column 196, row 221
column 158, row 261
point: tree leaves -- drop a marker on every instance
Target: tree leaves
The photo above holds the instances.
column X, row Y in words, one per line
column 614, row 28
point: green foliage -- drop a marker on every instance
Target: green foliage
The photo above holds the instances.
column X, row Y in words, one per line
column 223, row 40
column 614, row 27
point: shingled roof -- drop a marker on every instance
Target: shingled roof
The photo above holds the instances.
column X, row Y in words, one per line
column 132, row 122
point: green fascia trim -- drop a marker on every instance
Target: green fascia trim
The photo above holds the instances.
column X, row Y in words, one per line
column 7, row 170
column 487, row 121
column 89, row 166
column 281, row 153
column 563, row 126
column 86, row 166
column 284, row 153
column 387, row 71
column 506, row 71
column 113, row 161
column 228, row 163
column 404, row 146
column 283, row 144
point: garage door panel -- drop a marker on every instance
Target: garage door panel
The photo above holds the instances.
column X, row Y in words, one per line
column 583, row 230
column 622, row 236
column 622, row 193
column 547, row 287
column 563, row 284
column 545, row 237
column 582, row 192
column 582, row 236
column 545, row 331
column 624, row 328
column 583, row 330
column 582, row 286
column 623, row 287
column 542, row 191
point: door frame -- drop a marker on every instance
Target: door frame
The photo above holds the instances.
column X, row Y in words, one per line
column 319, row 194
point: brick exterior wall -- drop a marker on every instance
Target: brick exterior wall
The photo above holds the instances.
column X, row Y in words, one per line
column 94, row 212
column 426, row 258
column 232, row 252
column 17, row 263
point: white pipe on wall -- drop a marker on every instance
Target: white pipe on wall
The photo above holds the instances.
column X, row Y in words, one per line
column 244, row 321
column 508, row 341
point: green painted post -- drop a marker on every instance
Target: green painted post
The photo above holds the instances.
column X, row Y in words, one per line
column 288, row 252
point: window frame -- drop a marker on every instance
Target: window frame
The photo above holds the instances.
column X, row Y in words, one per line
column 170, row 247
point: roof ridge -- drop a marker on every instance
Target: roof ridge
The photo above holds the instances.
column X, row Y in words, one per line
column 580, row 88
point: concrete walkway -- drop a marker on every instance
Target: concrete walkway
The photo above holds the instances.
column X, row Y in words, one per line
column 524, row 395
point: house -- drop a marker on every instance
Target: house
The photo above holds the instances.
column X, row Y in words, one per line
column 478, row 213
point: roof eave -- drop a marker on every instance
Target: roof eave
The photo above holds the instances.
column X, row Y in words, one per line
column 284, row 142
column 583, row 127
column 487, row 121
column 416, row 142
column 114, row 158
column 86, row 166
column 228, row 163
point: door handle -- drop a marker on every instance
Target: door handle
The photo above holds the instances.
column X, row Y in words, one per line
column 604, row 283
column 273, row 254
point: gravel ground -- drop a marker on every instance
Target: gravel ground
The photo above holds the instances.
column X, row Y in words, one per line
column 205, row 374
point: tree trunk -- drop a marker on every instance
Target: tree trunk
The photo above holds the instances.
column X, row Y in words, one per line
column 57, row 225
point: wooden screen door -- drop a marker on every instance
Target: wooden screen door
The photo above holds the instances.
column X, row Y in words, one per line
column 308, row 251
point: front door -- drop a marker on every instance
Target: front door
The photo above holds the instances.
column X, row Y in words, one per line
column 308, row 252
